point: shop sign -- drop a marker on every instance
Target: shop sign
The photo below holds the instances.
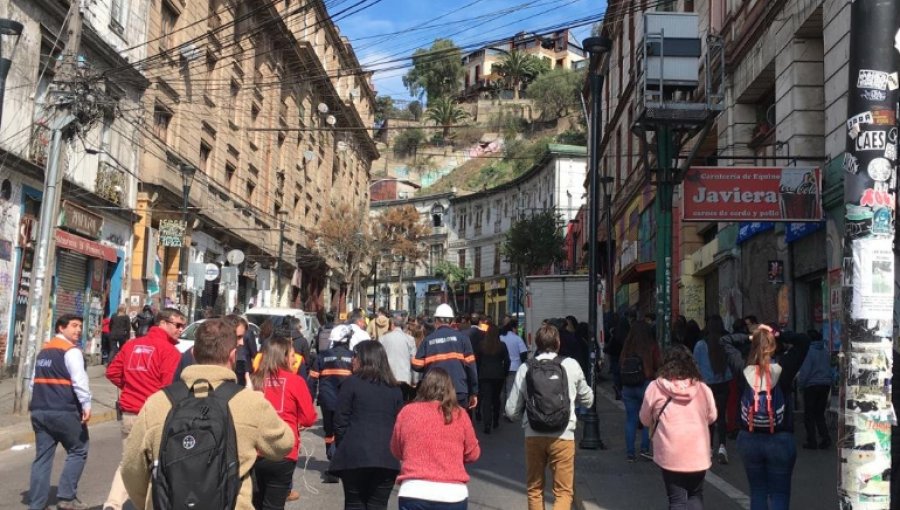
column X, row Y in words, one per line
column 749, row 229
column 87, row 247
column 752, row 193
column 775, row 271
column 434, row 287
column 498, row 284
column 475, row 288
column 796, row 231
column 80, row 220
column 171, row 233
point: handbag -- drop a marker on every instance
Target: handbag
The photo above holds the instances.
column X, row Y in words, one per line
column 655, row 424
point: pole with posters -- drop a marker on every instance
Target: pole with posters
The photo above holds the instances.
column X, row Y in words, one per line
column 864, row 444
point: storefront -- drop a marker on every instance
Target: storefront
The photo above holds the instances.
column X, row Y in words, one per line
column 495, row 297
column 475, row 297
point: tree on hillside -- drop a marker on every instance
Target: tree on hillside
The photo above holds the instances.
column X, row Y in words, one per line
column 384, row 106
column 445, row 112
column 415, row 109
column 436, row 71
column 406, row 144
column 400, row 232
column 518, row 69
column 343, row 240
column 534, row 243
column 556, row 92
column 452, row 275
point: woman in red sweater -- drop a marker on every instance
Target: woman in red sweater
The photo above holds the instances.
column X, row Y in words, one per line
column 433, row 438
column 288, row 393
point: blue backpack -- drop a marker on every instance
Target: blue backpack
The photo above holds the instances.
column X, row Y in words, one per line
column 763, row 410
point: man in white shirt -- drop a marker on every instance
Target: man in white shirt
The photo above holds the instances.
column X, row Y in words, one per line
column 357, row 323
column 400, row 349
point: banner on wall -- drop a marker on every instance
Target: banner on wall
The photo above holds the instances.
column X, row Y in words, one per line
column 752, row 193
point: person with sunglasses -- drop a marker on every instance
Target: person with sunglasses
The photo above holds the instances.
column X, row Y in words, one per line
column 143, row 366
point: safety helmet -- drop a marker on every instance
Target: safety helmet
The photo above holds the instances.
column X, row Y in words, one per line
column 340, row 334
column 444, row 311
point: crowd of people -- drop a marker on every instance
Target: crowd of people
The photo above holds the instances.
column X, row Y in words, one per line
column 400, row 398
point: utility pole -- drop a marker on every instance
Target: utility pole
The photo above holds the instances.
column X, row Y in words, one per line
column 63, row 128
column 869, row 195
column 665, row 190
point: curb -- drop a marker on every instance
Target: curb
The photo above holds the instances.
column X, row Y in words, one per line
column 21, row 437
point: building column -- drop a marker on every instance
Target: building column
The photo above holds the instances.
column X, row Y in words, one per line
column 800, row 98
column 139, row 271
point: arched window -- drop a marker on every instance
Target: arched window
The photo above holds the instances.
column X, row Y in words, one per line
column 437, row 215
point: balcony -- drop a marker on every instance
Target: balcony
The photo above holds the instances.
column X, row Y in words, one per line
column 111, row 183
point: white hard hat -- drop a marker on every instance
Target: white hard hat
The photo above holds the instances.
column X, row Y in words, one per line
column 340, row 333
column 444, row 311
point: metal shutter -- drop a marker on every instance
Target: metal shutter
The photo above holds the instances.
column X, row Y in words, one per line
column 71, row 283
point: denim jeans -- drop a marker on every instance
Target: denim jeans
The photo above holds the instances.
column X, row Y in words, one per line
column 769, row 462
column 422, row 504
column 633, row 397
column 367, row 488
column 616, row 372
column 273, row 483
column 720, row 393
column 52, row 428
column 685, row 490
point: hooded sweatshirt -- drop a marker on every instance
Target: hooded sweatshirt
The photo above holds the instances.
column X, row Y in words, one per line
column 681, row 440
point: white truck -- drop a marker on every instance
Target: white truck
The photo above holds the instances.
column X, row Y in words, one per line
column 555, row 297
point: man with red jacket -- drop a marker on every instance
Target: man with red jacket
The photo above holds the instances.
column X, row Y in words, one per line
column 144, row 366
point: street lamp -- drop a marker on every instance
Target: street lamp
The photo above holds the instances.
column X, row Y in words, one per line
column 597, row 47
column 187, row 178
column 10, row 32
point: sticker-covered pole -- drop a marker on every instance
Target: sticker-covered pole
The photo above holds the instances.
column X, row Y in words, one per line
column 864, row 444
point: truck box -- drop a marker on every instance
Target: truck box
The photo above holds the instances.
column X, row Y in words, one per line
column 556, row 296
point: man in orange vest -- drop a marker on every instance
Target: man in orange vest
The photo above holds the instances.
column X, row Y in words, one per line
column 60, row 409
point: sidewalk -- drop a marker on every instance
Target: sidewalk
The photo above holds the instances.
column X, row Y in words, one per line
column 603, row 478
column 16, row 429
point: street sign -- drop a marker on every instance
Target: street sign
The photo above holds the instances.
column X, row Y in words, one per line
column 212, row 272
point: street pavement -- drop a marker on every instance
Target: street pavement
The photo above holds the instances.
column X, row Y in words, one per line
column 604, row 480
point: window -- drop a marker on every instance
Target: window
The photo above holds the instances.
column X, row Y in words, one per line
column 560, row 63
column 167, row 26
column 254, row 135
column 497, row 258
column 437, row 216
column 230, row 170
column 205, row 151
column 162, row 118
column 436, row 255
column 234, row 106
column 461, row 257
column 210, row 74
column 476, row 271
column 117, row 16
column 251, row 187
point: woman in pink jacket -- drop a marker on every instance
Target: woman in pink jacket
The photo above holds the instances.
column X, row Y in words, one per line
column 678, row 408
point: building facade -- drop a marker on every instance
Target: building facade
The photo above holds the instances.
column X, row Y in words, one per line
column 268, row 105
column 100, row 166
column 785, row 86
column 479, row 221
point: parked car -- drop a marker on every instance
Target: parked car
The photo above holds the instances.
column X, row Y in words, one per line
column 279, row 316
column 189, row 334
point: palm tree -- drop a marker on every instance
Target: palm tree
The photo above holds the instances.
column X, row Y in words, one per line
column 444, row 111
column 518, row 69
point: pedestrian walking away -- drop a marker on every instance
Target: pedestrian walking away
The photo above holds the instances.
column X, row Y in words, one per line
column 289, row 395
column 678, row 409
column 368, row 404
column 333, row 367
column 639, row 362
column 400, row 348
column 766, row 440
column 451, row 350
column 60, row 410
column 493, row 365
column 258, row 431
column 546, row 445
column 119, row 331
column 143, row 321
column 518, row 352
column 815, row 378
column 144, row 366
column 433, row 439
column 713, row 363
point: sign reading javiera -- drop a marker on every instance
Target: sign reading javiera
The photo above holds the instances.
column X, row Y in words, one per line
column 752, row 193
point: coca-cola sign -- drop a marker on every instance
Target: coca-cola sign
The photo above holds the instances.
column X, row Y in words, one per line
column 752, row 194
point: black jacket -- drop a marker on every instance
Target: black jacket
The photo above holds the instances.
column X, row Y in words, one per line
column 141, row 323
column 119, row 327
column 363, row 425
column 493, row 366
column 332, row 368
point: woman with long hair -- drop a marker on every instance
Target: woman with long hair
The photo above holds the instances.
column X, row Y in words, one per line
column 678, row 407
column 766, row 440
column 433, row 439
column 289, row 395
column 713, row 363
column 492, row 367
column 639, row 361
column 368, row 403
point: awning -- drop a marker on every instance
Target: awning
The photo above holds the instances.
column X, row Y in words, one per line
column 87, row 247
column 635, row 271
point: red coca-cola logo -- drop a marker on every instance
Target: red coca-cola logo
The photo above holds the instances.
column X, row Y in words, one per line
column 874, row 198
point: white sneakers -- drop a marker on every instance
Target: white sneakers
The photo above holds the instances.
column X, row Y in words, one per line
column 722, row 455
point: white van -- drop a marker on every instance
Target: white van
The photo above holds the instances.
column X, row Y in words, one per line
column 277, row 316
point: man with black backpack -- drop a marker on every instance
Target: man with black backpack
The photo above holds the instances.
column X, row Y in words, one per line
column 547, row 388
column 196, row 441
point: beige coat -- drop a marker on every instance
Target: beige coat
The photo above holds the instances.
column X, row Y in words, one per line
column 258, row 428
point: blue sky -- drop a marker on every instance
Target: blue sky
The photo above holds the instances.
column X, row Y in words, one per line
column 393, row 29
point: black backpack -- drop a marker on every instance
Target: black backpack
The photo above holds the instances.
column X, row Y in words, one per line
column 198, row 466
column 632, row 371
column 547, row 402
